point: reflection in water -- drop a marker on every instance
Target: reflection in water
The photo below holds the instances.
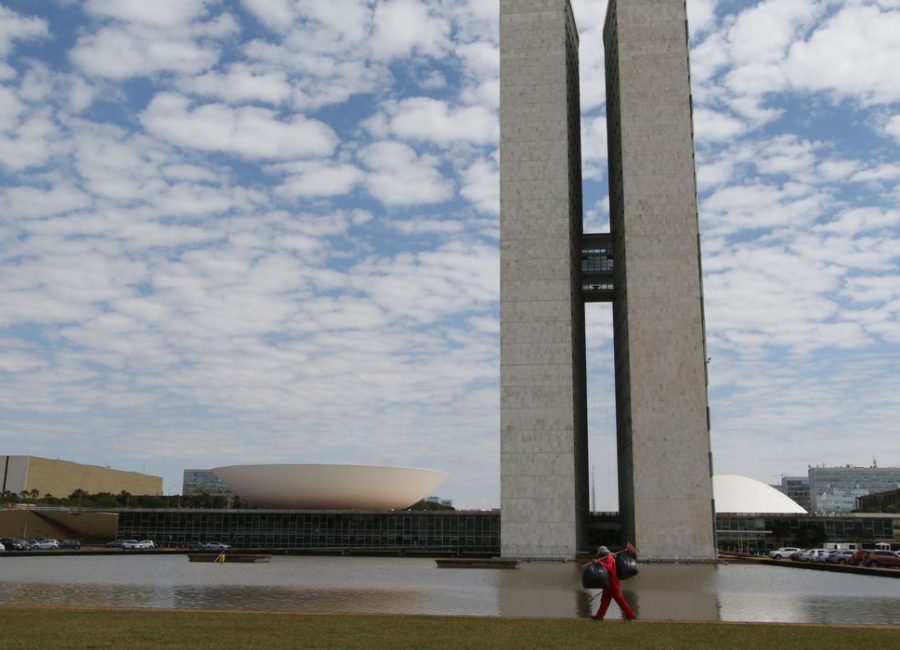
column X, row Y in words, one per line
column 416, row 586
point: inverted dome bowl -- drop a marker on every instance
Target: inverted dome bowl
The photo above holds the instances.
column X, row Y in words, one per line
column 330, row 487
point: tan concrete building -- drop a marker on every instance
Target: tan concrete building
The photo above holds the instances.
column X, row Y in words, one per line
column 61, row 477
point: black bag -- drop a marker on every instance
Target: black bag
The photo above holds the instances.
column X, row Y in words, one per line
column 594, row 576
column 626, row 566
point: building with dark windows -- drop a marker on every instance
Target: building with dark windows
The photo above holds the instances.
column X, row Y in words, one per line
column 759, row 532
column 474, row 533
column 888, row 501
column 797, row 488
column 402, row 532
column 836, row 489
column 197, row 482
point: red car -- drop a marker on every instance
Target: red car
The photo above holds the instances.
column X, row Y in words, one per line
column 881, row 558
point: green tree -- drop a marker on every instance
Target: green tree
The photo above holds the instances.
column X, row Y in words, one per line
column 811, row 535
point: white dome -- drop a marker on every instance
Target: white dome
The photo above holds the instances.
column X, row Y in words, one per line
column 331, row 487
column 735, row 493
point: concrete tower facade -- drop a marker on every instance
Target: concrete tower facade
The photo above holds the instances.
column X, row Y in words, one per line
column 662, row 412
column 648, row 267
column 543, row 408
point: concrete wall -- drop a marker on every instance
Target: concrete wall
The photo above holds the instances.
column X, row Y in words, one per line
column 84, row 526
column 13, row 473
column 543, row 462
column 60, row 477
column 665, row 485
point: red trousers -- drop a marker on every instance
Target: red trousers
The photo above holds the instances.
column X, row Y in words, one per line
column 613, row 593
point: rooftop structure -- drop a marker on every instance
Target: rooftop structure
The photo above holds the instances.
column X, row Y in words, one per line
column 330, row 487
column 740, row 494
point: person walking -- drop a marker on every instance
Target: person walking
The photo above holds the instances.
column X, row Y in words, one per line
column 614, row 591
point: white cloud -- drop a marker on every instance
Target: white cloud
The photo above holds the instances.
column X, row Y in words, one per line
column 714, row 126
column 119, row 53
column 14, row 26
column 161, row 13
column 852, row 55
column 320, row 179
column 31, row 142
column 481, row 186
column 404, row 26
column 701, row 15
column 426, row 226
column 398, row 176
column 432, row 120
column 480, row 58
column 893, row 127
column 11, row 108
column 863, row 220
column 241, row 83
column 32, row 202
column 429, row 286
column 276, row 14
column 249, row 131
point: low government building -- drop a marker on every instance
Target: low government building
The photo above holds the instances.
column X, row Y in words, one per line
column 60, row 478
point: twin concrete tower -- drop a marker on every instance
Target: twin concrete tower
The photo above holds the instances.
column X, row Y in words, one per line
column 648, row 267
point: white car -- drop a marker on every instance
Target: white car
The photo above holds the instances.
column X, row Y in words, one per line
column 784, row 551
column 44, row 544
column 2, row 547
column 144, row 544
column 814, row 555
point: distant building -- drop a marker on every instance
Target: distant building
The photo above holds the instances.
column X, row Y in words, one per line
column 836, row 489
column 797, row 488
column 888, row 501
column 202, row 481
column 60, row 478
column 439, row 501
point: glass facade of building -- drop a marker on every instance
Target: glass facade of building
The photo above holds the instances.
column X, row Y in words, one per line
column 459, row 532
column 202, row 481
column 836, row 489
column 797, row 488
column 758, row 533
column 433, row 531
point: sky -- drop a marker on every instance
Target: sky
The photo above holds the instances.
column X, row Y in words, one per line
column 266, row 231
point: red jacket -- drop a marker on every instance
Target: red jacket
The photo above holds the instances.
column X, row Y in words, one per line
column 609, row 563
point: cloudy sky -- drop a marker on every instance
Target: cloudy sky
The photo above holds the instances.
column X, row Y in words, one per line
column 267, row 231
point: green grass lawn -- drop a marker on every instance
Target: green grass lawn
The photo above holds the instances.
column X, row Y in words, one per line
column 39, row 628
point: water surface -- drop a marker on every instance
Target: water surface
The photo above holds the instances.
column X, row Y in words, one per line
column 734, row 592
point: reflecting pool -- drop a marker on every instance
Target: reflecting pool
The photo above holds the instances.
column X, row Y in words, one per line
column 734, row 592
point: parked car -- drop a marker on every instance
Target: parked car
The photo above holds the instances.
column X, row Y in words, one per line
column 784, row 551
column 796, row 554
column 840, row 556
column 144, row 544
column 118, row 543
column 813, row 555
column 858, row 556
column 2, row 547
column 216, row 546
column 877, row 558
column 70, row 543
column 15, row 544
column 44, row 544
